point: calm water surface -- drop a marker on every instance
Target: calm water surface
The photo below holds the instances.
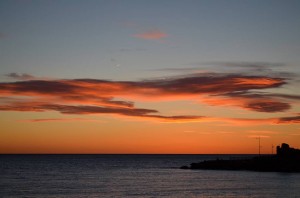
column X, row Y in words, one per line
column 134, row 176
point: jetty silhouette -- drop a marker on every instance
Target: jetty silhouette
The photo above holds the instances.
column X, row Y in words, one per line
column 286, row 159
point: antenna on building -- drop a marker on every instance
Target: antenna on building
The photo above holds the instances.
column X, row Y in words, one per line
column 272, row 148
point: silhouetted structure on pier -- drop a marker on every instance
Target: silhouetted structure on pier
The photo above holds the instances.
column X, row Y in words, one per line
column 287, row 159
column 286, row 151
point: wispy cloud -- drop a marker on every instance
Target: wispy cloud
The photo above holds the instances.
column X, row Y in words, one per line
column 258, row 136
column 289, row 120
column 85, row 110
column 93, row 96
column 155, row 34
column 268, row 106
column 60, row 120
column 263, row 68
column 20, row 76
column 255, row 65
column 262, row 132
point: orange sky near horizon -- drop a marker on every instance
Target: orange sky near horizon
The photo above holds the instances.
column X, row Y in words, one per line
column 101, row 135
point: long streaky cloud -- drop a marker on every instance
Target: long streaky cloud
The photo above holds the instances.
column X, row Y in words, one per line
column 93, row 96
column 289, row 120
column 83, row 110
column 152, row 35
column 20, row 76
column 60, row 120
column 259, row 136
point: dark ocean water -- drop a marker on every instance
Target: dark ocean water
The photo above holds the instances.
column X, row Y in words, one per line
column 135, row 176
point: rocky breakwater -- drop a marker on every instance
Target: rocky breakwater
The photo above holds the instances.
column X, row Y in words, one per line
column 286, row 160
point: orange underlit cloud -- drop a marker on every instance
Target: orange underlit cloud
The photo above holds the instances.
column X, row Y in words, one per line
column 152, row 35
column 60, row 120
column 93, row 96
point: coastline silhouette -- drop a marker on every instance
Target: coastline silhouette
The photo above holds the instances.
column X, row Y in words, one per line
column 286, row 159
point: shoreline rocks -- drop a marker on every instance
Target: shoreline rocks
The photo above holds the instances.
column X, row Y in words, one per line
column 286, row 160
column 264, row 163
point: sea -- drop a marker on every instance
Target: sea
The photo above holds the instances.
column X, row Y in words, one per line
column 136, row 176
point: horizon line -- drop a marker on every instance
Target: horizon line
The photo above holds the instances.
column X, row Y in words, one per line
column 136, row 154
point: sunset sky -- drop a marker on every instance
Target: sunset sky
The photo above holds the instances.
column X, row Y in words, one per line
column 141, row 76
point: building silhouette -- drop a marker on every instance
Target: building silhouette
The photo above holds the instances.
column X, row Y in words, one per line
column 286, row 151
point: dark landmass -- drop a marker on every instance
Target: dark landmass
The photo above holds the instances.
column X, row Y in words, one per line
column 286, row 160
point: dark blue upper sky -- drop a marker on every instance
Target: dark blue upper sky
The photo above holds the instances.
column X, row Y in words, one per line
column 99, row 39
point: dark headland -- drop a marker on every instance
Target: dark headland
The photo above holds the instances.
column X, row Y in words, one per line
column 287, row 159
